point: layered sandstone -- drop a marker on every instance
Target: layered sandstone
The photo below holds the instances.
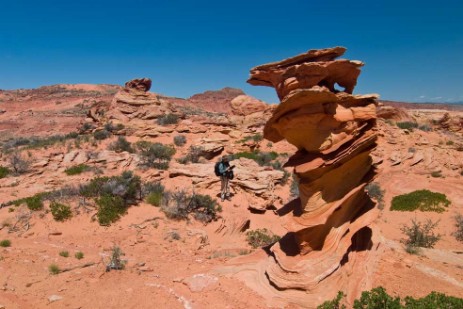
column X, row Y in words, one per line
column 334, row 132
column 135, row 102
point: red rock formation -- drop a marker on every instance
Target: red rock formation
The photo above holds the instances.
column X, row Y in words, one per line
column 334, row 133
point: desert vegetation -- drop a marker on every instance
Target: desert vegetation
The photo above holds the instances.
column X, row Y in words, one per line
column 120, row 145
column 178, row 205
column 375, row 192
column 76, row 169
column 379, row 298
column 423, row 200
column 60, row 212
column 261, row 238
column 167, row 119
column 420, row 235
column 155, row 155
column 179, row 140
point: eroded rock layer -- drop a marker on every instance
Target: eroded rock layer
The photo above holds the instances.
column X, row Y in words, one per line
column 334, row 133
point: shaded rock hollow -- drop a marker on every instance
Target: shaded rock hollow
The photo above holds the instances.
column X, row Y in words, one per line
column 329, row 238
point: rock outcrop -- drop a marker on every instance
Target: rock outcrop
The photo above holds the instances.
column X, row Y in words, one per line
column 334, row 132
column 134, row 103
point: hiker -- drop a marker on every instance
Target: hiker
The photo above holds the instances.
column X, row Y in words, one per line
column 225, row 171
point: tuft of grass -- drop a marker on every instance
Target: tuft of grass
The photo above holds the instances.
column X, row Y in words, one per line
column 5, row 243
column 60, row 212
column 449, row 143
column 64, row 254
column 423, row 200
column 76, row 169
column 110, row 209
column 54, row 269
column 4, row 171
column 261, row 238
column 256, row 138
column 79, row 255
column 420, row 235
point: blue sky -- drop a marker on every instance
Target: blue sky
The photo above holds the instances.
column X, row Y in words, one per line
column 413, row 50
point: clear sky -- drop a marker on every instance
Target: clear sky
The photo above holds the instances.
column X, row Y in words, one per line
column 413, row 50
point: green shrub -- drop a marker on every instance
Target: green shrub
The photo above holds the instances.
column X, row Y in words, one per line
column 54, row 269
column 204, row 208
column 4, row 171
column 425, row 127
column 420, row 235
column 122, row 144
column 261, row 238
column 179, row 140
column 407, row 125
column 127, row 186
column 178, row 205
column 79, row 255
column 64, row 254
column 101, row 134
column 256, row 138
column 333, row 304
column 76, row 169
column 449, row 143
column 34, row 202
column 434, row 300
column 459, row 225
column 154, row 198
column 375, row 192
column 423, row 200
column 377, row 298
column 436, row 174
column 110, row 209
column 167, row 119
column 155, row 155
column 262, row 158
column 60, row 212
column 5, row 243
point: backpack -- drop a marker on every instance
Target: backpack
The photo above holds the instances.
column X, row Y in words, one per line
column 217, row 169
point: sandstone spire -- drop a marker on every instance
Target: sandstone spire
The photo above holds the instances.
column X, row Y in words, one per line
column 334, row 133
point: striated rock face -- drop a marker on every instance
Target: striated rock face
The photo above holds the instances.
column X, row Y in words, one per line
column 334, row 133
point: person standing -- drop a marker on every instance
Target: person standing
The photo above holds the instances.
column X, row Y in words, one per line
column 226, row 173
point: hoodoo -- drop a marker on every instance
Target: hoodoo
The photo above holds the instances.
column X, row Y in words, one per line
column 329, row 238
